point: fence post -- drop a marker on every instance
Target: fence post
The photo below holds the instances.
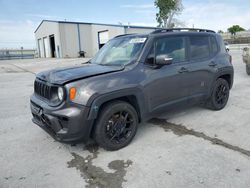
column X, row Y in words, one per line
column 22, row 52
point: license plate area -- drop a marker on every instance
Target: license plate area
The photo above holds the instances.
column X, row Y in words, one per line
column 36, row 109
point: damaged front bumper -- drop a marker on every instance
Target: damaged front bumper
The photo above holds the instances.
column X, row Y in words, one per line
column 68, row 122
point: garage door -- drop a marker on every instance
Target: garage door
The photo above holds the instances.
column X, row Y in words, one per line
column 46, row 46
column 103, row 37
column 41, row 48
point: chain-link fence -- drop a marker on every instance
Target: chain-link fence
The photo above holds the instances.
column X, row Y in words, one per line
column 6, row 54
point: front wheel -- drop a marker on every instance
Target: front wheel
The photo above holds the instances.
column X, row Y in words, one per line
column 116, row 125
column 220, row 95
column 248, row 70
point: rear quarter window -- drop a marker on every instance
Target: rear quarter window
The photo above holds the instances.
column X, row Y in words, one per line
column 199, row 47
column 214, row 46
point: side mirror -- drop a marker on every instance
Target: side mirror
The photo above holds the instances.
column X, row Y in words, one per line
column 163, row 60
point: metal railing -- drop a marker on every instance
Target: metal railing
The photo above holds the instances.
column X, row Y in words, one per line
column 238, row 46
column 6, row 54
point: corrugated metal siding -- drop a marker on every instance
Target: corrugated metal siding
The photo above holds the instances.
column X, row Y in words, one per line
column 86, row 39
column 45, row 30
column 67, row 36
column 112, row 32
column 69, row 40
column 138, row 30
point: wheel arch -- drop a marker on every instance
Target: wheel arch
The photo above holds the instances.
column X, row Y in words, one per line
column 227, row 74
column 131, row 96
column 228, row 78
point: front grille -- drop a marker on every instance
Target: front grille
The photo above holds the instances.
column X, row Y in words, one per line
column 42, row 89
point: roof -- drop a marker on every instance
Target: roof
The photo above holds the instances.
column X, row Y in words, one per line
column 113, row 25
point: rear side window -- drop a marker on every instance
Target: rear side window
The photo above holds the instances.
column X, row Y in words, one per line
column 173, row 47
column 214, row 46
column 199, row 47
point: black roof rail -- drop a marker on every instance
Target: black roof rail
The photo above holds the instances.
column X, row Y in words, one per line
column 164, row 30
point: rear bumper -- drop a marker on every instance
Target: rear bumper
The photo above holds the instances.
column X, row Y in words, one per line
column 246, row 60
column 67, row 123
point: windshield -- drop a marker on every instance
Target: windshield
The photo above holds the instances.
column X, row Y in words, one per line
column 120, row 51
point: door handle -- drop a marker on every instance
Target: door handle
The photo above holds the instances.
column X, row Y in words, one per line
column 183, row 69
column 212, row 64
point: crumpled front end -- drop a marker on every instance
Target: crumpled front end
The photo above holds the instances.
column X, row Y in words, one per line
column 65, row 120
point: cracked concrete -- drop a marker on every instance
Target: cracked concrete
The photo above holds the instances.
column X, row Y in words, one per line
column 181, row 130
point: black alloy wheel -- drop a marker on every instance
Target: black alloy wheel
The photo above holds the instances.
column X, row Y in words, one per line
column 220, row 95
column 116, row 125
column 119, row 126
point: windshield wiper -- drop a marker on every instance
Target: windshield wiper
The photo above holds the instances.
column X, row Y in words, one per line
column 88, row 62
column 112, row 64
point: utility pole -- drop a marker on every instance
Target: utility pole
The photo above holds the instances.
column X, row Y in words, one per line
column 22, row 52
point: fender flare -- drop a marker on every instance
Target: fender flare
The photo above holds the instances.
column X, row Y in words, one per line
column 225, row 71
column 100, row 100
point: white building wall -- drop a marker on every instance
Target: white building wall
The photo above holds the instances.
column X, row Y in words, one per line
column 45, row 30
column 138, row 30
column 86, row 39
column 69, row 40
column 112, row 32
column 67, row 35
column 241, row 34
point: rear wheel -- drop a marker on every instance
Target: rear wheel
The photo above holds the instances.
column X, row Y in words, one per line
column 116, row 125
column 220, row 95
column 248, row 70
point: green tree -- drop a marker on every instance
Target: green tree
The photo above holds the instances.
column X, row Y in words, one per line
column 234, row 29
column 167, row 10
column 220, row 31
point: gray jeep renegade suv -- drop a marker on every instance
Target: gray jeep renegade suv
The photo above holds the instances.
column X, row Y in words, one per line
column 131, row 79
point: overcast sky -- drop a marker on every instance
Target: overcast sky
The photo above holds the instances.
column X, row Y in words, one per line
column 19, row 18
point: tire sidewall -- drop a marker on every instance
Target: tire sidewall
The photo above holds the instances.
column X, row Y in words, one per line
column 214, row 103
column 248, row 69
column 106, row 112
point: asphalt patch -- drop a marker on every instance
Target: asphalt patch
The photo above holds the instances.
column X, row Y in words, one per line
column 95, row 176
column 181, row 130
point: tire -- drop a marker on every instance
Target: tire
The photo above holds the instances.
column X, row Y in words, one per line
column 248, row 70
column 220, row 95
column 111, row 132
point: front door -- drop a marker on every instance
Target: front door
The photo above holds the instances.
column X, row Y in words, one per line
column 166, row 85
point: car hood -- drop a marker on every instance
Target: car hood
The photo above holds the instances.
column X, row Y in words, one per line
column 64, row 75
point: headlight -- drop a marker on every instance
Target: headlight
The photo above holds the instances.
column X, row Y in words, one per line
column 60, row 93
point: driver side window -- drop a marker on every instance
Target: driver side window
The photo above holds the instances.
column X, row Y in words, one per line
column 173, row 47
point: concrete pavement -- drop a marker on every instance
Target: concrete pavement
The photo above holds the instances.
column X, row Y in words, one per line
column 192, row 147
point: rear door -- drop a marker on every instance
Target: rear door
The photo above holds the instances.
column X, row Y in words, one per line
column 201, row 68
